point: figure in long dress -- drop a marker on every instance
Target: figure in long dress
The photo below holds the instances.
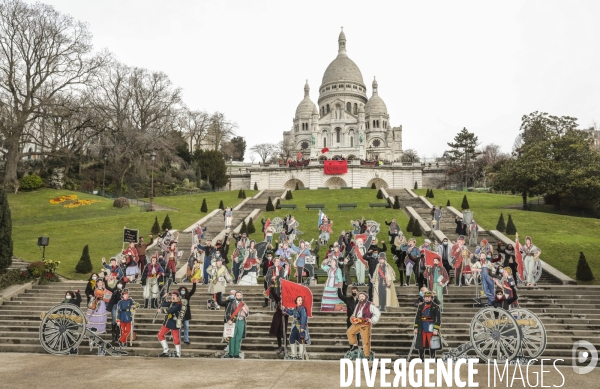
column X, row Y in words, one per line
column 249, row 267
column 383, row 283
column 335, row 280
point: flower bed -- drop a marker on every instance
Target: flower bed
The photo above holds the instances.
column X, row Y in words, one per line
column 71, row 201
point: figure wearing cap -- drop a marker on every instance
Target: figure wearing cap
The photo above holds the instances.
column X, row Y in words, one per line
column 427, row 324
column 383, row 284
column 125, row 311
column 113, row 268
column 364, row 317
column 171, row 310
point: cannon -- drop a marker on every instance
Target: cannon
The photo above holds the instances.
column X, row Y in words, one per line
column 63, row 329
column 514, row 336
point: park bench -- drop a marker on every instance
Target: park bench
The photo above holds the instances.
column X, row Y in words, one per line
column 323, row 188
column 365, row 187
column 287, row 206
column 315, row 206
column 304, row 188
column 346, row 206
column 346, row 187
column 379, row 205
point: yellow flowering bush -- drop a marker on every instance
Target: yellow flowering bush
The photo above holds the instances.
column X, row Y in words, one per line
column 62, row 199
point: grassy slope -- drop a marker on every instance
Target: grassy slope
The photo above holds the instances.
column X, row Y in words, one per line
column 560, row 237
column 99, row 225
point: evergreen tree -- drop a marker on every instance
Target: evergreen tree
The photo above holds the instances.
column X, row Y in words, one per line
column 255, row 185
column 373, row 186
column 270, row 207
column 244, row 229
column 250, row 227
column 417, row 229
column 166, row 225
column 379, row 194
column 464, row 150
column 411, row 225
column 431, row 196
column 204, row 207
column 288, row 195
column 511, row 229
column 85, row 262
column 155, row 230
column 277, row 202
column 465, row 203
column 584, row 273
column 396, row 203
column 501, row 226
column 221, row 206
column 448, row 203
column 243, row 194
column 427, row 194
column 240, row 194
column 297, row 187
column 416, row 185
column 6, row 242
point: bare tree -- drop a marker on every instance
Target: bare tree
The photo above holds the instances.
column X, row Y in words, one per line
column 284, row 149
column 194, row 125
column 42, row 52
column 264, row 150
column 410, row 155
column 220, row 129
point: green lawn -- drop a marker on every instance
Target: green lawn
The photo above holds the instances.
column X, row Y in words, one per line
column 100, row 224
column 560, row 237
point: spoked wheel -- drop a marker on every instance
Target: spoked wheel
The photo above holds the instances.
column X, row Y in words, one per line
column 536, row 278
column 495, row 335
column 533, row 333
column 62, row 329
column 277, row 224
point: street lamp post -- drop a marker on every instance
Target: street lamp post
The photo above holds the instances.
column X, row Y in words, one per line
column 230, row 163
column 151, row 207
column 104, row 174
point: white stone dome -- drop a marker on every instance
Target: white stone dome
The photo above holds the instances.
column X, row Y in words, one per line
column 306, row 106
column 342, row 67
column 375, row 105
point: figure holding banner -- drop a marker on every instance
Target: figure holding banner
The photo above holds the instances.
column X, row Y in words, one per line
column 299, row 335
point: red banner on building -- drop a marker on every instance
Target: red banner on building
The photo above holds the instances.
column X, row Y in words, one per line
column 335, row 167
column 290, row 290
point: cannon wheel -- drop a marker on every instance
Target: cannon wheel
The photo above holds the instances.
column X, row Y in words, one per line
column 62, row 329
column 495, row 338
column 533, row 333
column 277, row 224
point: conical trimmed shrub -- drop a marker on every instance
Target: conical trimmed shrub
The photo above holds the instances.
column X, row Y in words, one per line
column 270, row 207
column 396, row 203
column 373, row 186
column 465, row 203
column 584, row 272
column 379, row 194
column 204, row 207
column 243, row 194
column 511, row 229
column 410, row 225
column 417, row 229
column 250, row 227
column 427, row 194
column 448, row 203
column 85, row 262
column 431, row 196
column 166, row 225
column 297, row 187
column 288, row 195
column 155, row 230
column 244, row 228
column 416, row 185
column 255, row 185
column 501, row 226
column 221, row 206
column 240, row 194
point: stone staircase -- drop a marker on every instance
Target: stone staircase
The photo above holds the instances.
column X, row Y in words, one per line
column 569, row 313
column 405, row 199
column 261, row 201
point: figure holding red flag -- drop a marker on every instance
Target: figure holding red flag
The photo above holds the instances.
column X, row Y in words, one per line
column 299, row 337
column 437, row 277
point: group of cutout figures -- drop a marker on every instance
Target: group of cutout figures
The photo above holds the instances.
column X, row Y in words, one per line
column 358, row 250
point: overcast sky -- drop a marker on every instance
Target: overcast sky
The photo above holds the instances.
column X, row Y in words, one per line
column 440, row 65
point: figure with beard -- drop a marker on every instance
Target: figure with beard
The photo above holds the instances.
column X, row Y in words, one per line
column 427, row 324
column 237, row 258
column 141, row 248
column 437, row 279
column 187, row 295
column 383, row 285
column 363, row 318
column 273, row 279
column 237, row 313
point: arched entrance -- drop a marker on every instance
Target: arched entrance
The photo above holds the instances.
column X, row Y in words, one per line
column 379, row 183
column 335, row 183
column 291, row 184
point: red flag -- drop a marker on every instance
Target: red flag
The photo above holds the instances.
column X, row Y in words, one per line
column 290, row 290
column 324, row 150
column 299, row 156
column 519, row 259
column 430, row 256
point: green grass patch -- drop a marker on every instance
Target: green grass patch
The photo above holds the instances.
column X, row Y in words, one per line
column 100, row 224
column 560, row 237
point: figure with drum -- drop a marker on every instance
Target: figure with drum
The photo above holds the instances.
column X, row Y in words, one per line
column 364, row 317
column 152, row 278
column 427, row 324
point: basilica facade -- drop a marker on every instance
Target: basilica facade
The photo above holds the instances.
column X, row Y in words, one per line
column 344, row 120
